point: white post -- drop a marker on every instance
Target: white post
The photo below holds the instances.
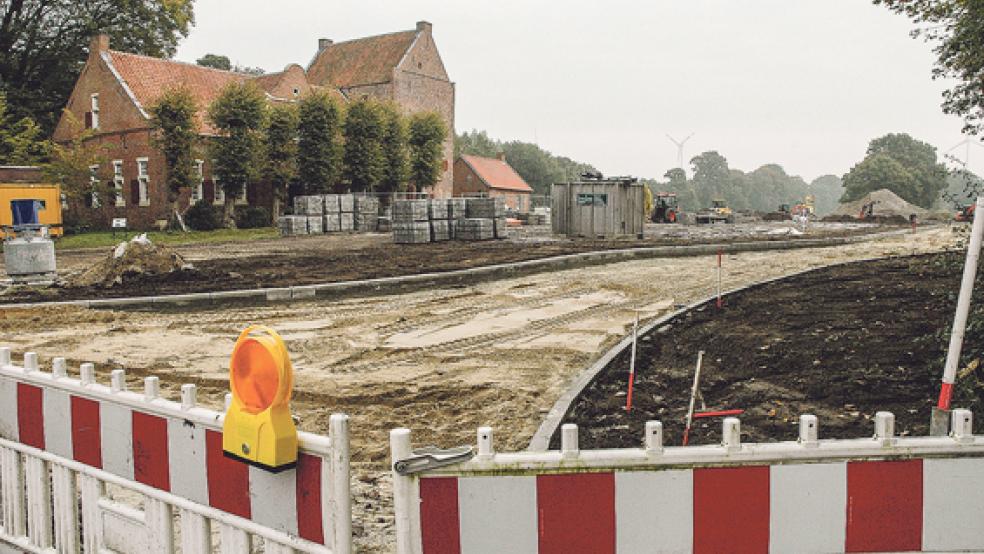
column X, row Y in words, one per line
column 31, row 361
column 117, row 380
column 404, row 500
column 731, row 434
column 59, row 368
column 693, row 397
column 568, row 440
column 233, row 540
column 160, row 525
column 808, row 431
column 92, row 525
column 87, row 372
column 485, row 448
column 152, row 388
column 962, row 427
column 12, row 485
column 189, row 395
column 39, row 517
column 66, row 507
column 963, row 307
column 341, row 494
column 885, row 427
column 654, row 437
column 4, row 356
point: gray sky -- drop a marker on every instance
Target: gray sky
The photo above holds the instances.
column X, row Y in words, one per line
column 805, row 84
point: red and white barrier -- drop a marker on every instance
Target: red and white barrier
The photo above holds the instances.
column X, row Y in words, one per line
column 885, row 494
column 174, row 449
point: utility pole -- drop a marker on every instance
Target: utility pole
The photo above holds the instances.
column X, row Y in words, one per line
column 679, row 144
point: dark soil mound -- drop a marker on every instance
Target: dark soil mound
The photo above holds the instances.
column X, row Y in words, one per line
column 841, row 342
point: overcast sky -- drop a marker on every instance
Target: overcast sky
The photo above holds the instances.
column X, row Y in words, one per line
column 805, row 84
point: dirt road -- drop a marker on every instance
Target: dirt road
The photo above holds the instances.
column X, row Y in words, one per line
column 441, row 362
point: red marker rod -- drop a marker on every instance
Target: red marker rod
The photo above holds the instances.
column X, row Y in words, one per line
column 635, row 333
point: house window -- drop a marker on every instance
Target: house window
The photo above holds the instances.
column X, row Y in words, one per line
column 198, row 191
column 94, row 186
column 218, row 196
column 297, row 91
column 94, row 108
column 241, row 195
column 143, row 181
column 118, row 183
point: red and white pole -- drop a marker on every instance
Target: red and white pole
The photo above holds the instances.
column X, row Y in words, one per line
column 693, row 398
column 632, row 363
column 963, row 308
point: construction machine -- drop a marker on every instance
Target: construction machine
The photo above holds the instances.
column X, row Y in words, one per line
column 965, row 214
column 719, row 212
column 667, row 208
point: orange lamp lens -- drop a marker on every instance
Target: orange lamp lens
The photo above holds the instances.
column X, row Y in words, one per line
column 255, row 376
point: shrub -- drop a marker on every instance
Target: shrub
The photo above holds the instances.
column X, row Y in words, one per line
column 252, row 217
column 203, row 217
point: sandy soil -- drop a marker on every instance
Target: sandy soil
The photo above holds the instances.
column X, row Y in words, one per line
column 441, row 362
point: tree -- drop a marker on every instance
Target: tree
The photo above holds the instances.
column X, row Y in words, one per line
column 915, row 175
column 363, row 160
column 319, row 152
column 826, row 191
column 43, row 45
column 875, row 172
column 394, row 143
column 280, row 145
column 69, row 164
column 173, row 117
column 426, row 141
column 20, row 141
column 238, row 115
column 956, row 28
column 215, row 61
column 712, row 178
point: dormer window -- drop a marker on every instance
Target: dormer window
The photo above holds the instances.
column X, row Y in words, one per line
column 94, row 109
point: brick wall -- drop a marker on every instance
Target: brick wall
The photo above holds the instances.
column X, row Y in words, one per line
column 467, row 183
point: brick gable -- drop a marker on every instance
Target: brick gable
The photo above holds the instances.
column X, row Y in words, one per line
column 363, row 61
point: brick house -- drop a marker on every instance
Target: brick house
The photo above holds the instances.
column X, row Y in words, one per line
column 115, row 90
column 493, row 177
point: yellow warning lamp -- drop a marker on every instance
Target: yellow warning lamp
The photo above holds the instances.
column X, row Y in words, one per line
column 258, row 427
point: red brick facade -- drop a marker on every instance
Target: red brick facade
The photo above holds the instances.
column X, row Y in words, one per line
column 492, row 177
column 125, row 85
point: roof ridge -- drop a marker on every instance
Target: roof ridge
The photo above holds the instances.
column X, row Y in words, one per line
column 351, row 40
column 189, row 64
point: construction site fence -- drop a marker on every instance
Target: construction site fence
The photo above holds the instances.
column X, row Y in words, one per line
column 93, row 467
column 880, row 494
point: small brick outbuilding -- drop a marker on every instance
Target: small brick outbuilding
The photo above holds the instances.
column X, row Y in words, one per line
column 493, row 177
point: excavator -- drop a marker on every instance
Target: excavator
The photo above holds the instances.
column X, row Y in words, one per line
column 667, row 209
column 966, row 213
column 718, row 212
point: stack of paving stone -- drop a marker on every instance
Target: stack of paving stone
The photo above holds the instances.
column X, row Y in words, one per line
column 437, row 211
column 366, row 213
column 313, row 208
column 457, row 210
column 474, row 228
column 346, row 205
column 332, row 218
column 411, row 221
column 293, row 225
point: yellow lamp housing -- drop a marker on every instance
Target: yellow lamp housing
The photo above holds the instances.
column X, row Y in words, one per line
column 258, row 427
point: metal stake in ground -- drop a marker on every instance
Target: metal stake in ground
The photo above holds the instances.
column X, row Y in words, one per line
column 719, row 303
column 635, row 334
column 693, row 397
column 940, row 418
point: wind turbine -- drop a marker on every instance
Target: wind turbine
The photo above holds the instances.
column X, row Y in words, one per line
column 966, row 144
column 679, row 144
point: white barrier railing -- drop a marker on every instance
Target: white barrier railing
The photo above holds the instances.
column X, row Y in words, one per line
column 881, row 494
column 97, row 468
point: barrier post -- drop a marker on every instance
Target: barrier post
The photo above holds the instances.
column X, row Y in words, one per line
column 405, row 497
column 632, row 363
column 939, row 419
column 719, row 301
column 340, row 508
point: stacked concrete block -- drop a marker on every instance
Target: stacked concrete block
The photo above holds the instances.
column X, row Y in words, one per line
column 332, row 205
column 366, row 213
column 332, row 222
column 293, row 225
column 384, row 224
column 315, row 224
column 440, row 230
column 412, row 232
column 457, row 208
column 346, row 203
column 410, row 210
column 474, row 228
column 309, row 205
column 499, row 227
column 437, row 209
column 486, row 208
column 346, row 222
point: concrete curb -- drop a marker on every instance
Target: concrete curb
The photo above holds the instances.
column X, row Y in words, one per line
column 390, row 285
column 555, row 417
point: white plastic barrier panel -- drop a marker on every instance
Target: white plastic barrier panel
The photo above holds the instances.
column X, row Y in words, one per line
column 884, row 494
column 71, row 437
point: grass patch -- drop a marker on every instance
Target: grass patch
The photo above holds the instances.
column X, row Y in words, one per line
column 101, row 239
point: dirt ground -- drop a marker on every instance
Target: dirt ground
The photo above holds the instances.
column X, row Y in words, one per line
column 841, row 343
column 441, row 362
column 332, row 258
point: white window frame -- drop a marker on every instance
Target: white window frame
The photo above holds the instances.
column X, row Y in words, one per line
column 94, row 183
column 218, row 193
column 143, row 181
column 94, row 108
column 241, row 198
column 198, row 190
column 118, row 183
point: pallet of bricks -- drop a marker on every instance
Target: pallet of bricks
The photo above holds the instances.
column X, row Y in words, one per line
column 436, row 220
column 331, row 213
column 485, row 218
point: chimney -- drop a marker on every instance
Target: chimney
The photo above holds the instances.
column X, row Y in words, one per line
column 324, row 43
column 423, row 26
column 99, row 43
column 501, row 156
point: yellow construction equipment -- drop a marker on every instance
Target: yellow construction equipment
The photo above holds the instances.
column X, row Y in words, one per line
column 47, row 197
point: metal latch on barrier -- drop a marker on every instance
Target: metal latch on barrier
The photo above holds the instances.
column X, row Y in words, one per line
column 431, row 457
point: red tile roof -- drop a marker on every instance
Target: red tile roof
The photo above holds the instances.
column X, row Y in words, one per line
column 496, row 173
column 361, row 61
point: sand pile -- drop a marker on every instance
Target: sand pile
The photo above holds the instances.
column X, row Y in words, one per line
column 138, row 256
column 887, row 204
